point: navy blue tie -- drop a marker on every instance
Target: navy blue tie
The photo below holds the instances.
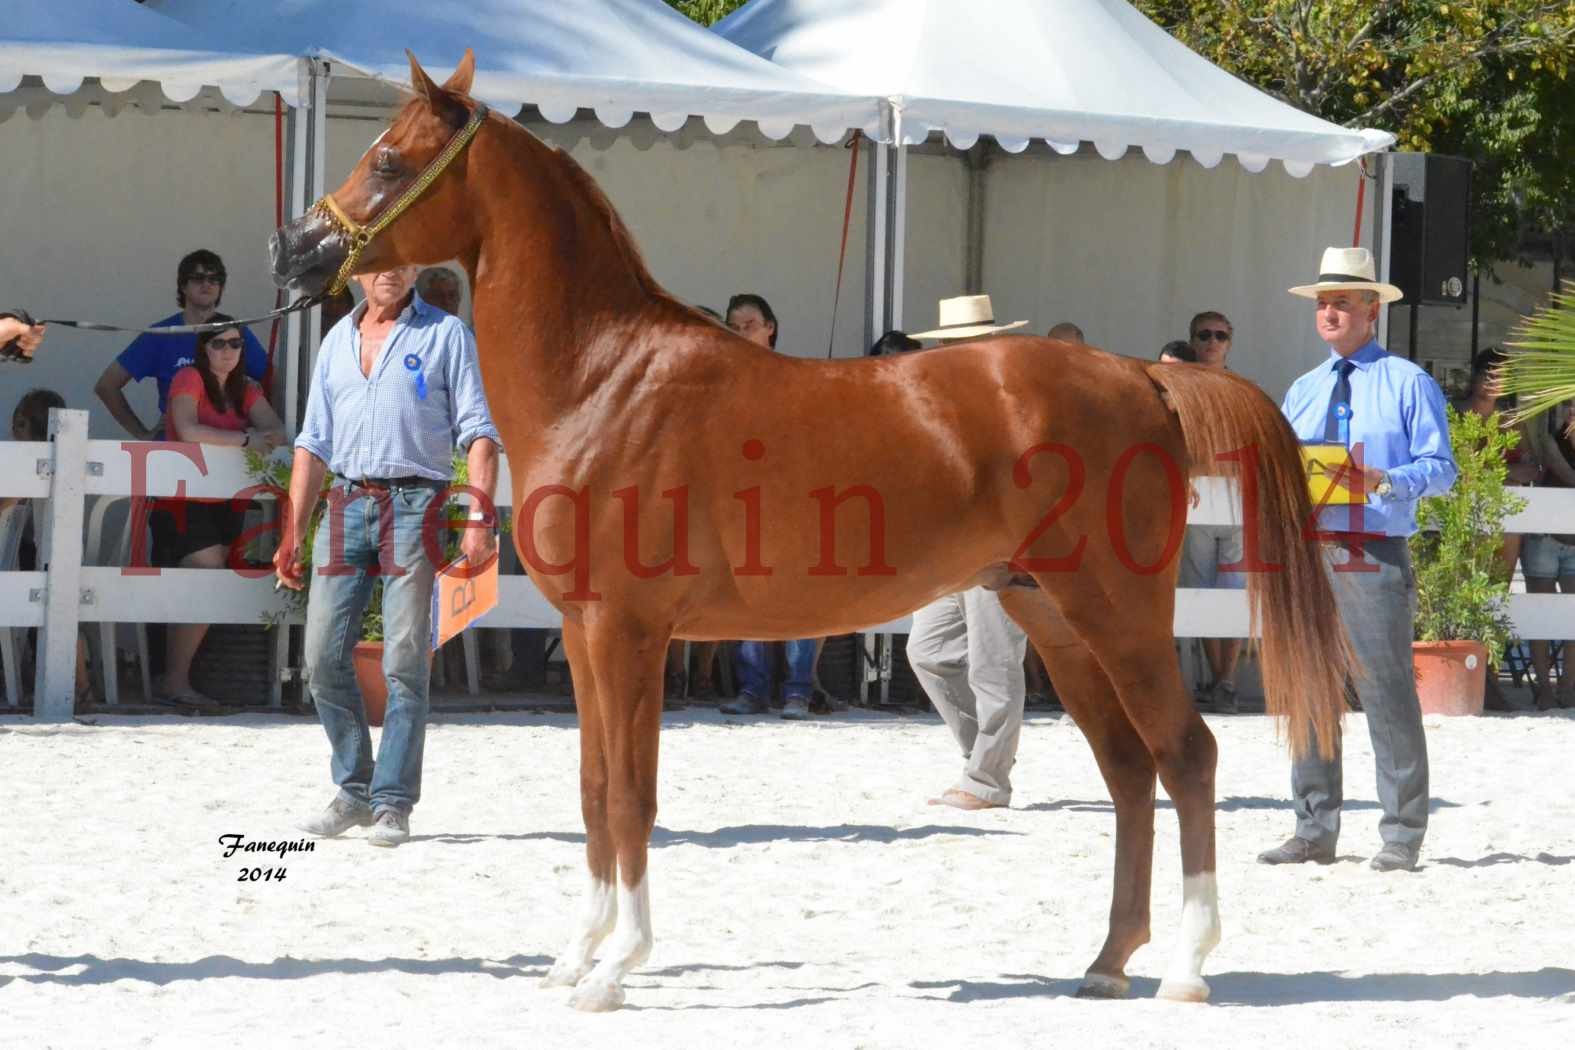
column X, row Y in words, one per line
column 1341, row 396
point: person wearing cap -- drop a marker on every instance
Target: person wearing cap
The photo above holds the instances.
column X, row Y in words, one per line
column 963, row 648
column 1391, row 415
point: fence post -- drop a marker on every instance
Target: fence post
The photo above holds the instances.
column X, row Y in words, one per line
column 60, row 557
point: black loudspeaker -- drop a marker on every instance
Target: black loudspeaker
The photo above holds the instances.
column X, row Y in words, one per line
column 1431, row 228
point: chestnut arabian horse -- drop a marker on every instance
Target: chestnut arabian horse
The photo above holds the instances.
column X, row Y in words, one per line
column 671, row 480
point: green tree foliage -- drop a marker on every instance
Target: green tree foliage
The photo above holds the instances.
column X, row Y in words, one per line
column 1486, row 80
column 707, row 12
column 1461, row 592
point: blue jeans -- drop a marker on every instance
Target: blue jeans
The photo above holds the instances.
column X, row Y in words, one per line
column 754, row 660
column 341, row 585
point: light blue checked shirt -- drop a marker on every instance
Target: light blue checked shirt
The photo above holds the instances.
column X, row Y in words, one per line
column 1397, row 415
column 381, row 426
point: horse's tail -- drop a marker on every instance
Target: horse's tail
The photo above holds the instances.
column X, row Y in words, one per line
column 1305, row 653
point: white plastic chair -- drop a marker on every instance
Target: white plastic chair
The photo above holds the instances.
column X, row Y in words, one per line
column 95, row 554
column 12, row 522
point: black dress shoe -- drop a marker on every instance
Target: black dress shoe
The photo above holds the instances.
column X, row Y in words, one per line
column 1393, row 857
column 1297, row 851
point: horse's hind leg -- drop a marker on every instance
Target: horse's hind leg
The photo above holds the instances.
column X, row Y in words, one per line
column 1128, row 769
column 1137, row 652
column 630, row 661
column 601, row 902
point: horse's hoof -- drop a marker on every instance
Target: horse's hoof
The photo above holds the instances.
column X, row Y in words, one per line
column 1185, row 990
column 1103, row 986
column 564, row 974
column 596, row 995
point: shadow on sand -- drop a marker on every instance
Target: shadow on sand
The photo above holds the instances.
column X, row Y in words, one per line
column 1288, row 989
column 744, row 835
column 91, row 970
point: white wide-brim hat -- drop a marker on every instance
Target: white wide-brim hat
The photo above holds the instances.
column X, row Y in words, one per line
column 1348, row 269
column 965, row 317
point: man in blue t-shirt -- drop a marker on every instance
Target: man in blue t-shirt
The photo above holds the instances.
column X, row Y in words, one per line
column 199, row 286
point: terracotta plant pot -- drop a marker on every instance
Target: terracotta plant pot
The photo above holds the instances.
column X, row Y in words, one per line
column 367, row 658
column 1450, row 676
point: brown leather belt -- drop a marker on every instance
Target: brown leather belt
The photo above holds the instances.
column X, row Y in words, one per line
column 409, row 481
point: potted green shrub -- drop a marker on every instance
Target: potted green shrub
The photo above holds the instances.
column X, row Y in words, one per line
column 1462, row 623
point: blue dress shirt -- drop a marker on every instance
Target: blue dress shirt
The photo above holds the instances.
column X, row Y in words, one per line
column 422, row 398
column 1397, row 416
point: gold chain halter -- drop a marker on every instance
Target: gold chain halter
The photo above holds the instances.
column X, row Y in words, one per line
column 360, row 236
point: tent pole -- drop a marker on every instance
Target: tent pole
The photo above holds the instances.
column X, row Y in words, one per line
column 308, row 162
column 977, row 161
column 319, row 186
column 897, row 224
column 1383, row 229
column 875, row 247
column 297, row 205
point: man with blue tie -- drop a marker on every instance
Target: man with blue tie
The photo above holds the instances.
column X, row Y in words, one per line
column 1390, row 414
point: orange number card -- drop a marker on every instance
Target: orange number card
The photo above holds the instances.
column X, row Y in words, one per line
column 458, row 601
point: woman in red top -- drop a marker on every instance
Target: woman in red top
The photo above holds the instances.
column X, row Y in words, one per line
column 212, row 402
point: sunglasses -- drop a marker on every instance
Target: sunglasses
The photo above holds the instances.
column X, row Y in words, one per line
column 205, row 278
column 1204, row 335
column 226, row 344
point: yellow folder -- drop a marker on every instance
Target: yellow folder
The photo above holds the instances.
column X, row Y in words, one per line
column 1330, row 475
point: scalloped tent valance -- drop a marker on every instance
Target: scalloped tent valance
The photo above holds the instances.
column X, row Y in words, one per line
column 65, row 42
column 1066, row 72
column 616, row 57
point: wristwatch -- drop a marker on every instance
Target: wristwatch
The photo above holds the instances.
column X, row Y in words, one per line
column 1384, row 488
column 485, row 518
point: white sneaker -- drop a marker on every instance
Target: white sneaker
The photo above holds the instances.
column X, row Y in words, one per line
column 391, row 829
column 340, row 816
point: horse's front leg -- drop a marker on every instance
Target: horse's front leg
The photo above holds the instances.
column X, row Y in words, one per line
column 601, row 901
column 629, row 659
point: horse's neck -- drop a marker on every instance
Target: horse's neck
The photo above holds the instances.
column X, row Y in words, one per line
column 559, row 289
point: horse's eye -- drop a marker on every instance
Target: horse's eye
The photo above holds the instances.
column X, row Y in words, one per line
column 387, row 163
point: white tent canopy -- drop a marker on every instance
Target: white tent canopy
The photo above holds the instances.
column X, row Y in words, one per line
column 1067, row 72
column 121, row 43
column 616, row 57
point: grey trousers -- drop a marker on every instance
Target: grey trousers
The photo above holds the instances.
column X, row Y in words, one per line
column 1378, row 609
column 968, row 655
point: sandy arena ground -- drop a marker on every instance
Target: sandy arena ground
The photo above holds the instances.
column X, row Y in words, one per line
column 803, row 893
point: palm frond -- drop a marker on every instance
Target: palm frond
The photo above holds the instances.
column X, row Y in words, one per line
column 1541, row 370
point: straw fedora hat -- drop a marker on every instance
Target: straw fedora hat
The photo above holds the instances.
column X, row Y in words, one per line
column 965, row 317
column 1348, row 269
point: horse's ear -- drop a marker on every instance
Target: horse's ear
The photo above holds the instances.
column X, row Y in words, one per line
column 419, row 81
column 464, row 73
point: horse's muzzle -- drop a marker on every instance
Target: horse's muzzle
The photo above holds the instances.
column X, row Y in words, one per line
column 305, row 254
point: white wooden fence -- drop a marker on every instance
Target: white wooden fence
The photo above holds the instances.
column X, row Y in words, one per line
column 68, row 471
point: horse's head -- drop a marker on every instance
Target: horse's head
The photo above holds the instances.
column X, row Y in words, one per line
column 403, row 202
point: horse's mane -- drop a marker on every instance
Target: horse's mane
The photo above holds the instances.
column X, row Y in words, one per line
column 623, row 240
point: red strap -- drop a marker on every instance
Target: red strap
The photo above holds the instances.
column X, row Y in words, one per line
column 842, row 253
column 1361, row 194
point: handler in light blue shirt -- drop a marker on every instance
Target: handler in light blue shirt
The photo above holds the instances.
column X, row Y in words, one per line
column 396, row 388
column 1396, row 415
column 422, row 398
column 1364, row 396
